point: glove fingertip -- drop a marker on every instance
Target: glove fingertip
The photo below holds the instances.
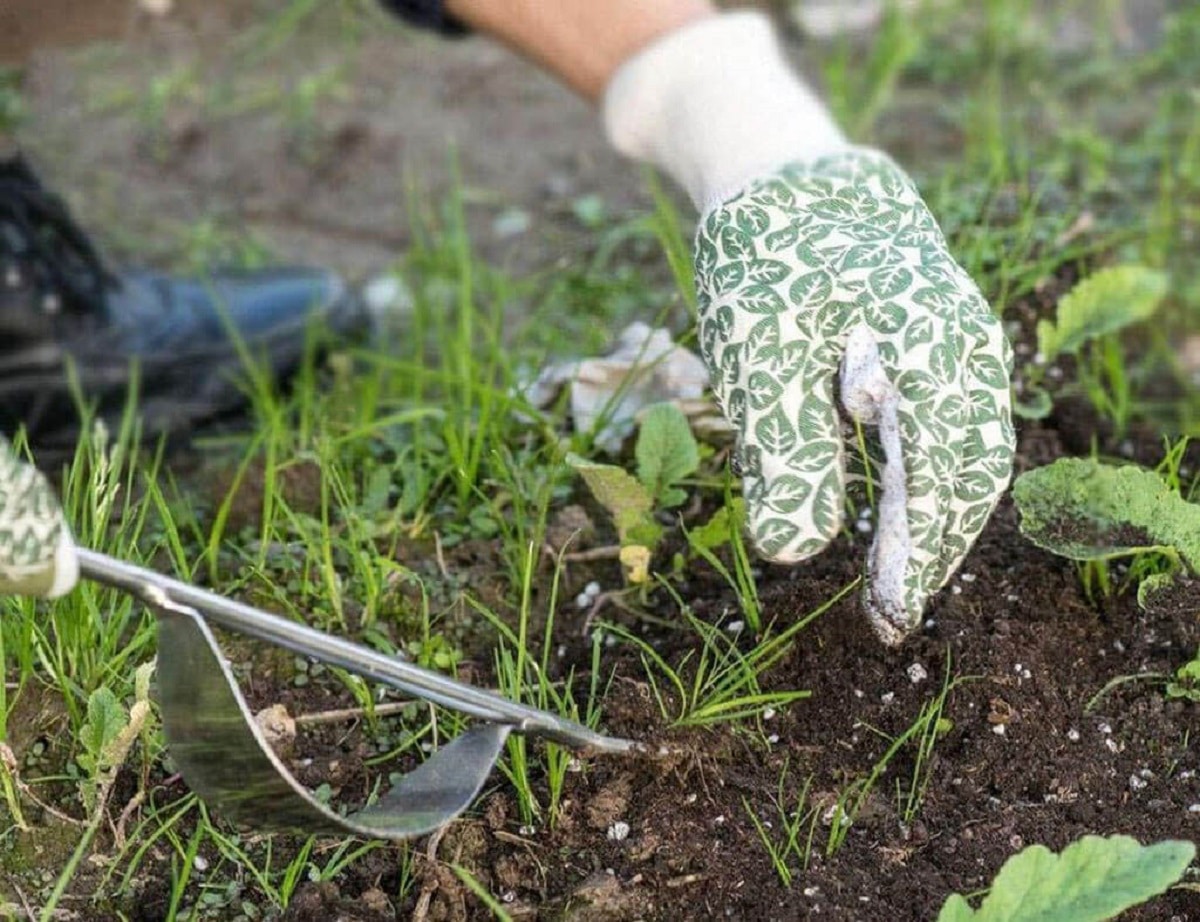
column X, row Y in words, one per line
column 66, row 567
column 892, row 620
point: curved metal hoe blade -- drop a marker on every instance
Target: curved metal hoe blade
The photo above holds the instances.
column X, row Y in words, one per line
column 225, row 758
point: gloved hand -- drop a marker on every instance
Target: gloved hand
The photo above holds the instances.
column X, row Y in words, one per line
column 37, row 554
column 816, row 258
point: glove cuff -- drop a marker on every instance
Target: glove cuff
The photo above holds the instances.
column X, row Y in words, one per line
column 715, row 104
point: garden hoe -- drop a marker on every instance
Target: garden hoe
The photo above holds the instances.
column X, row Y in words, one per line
column 226, row 759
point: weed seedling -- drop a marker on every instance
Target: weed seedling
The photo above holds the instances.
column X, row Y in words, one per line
column 1100, row 306
column 717, row 682
column 666, row 453
column 791, row 846
column 925, row 731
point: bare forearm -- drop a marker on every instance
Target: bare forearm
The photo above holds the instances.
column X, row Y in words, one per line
column 582, row 42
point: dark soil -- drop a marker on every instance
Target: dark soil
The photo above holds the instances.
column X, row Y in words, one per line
column 1024, row 758
column 1033, row 754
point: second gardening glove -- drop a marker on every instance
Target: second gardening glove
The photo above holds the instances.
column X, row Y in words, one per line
column 819, row 270
column 37, row 553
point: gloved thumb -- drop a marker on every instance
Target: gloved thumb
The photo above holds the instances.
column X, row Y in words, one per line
column 37, row 553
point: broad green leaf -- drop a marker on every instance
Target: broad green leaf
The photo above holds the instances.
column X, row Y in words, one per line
column 1094, row 879
column 1187, row 681
column 1104, row 302
column 720, row 529
column 666, row 450
column 1086, row 510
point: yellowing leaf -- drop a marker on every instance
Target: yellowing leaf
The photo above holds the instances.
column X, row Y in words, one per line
column 635, row 559
column 627, row 501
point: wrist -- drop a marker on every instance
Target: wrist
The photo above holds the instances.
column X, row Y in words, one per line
column 716, row 104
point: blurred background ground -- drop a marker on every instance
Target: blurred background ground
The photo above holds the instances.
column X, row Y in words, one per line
column 305, row 129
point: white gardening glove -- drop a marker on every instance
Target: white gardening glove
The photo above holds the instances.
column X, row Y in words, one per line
column 815, row 259
column 37, row 554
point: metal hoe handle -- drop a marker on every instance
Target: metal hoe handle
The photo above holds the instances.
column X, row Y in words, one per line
column 154, row 589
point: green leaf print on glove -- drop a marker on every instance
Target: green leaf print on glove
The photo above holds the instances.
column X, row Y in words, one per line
column 37, row 555
column 835, row 269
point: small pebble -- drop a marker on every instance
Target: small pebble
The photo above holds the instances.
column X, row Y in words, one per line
column 527, row 830
column 768, row 713
column 887, row 697
column 811, row 891
column 592, row 589
column 967, row 577
column 1111, row 745
column 1073, row 735
column 618, row 831
column 999, row 729
column 200, row 863
column 1136, row 783
column 917, row 673
column 773, row 738
column 1194, row 808
column 1104, row 728
column 735, row 627
column 582, row 601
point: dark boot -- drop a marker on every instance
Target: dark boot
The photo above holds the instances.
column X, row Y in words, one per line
column 187, row 338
